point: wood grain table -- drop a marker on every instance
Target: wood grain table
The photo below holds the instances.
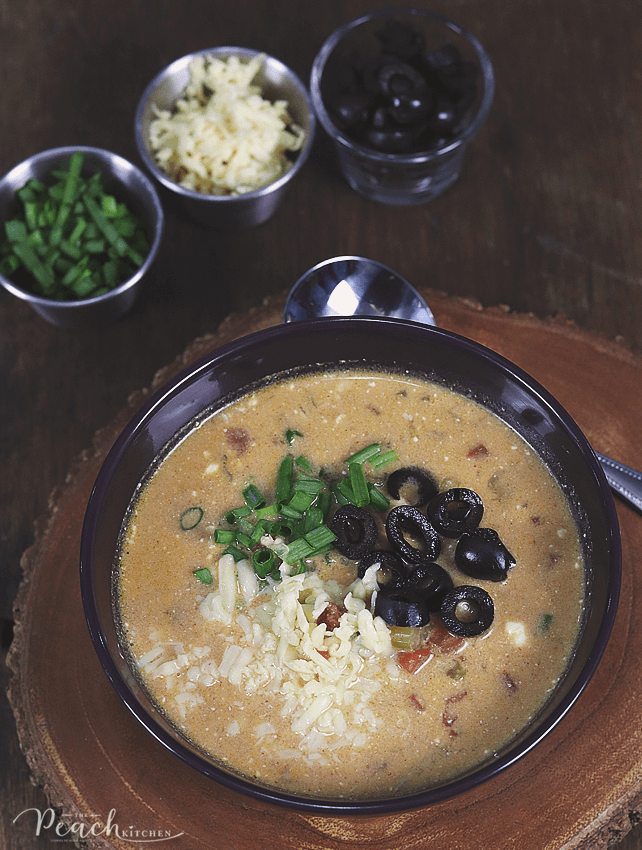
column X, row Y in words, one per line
column 545, row 219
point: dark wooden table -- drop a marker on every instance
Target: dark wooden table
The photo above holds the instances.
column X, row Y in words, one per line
column 545, row 219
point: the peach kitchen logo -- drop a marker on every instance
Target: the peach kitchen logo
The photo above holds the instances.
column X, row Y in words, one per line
column 62, row 828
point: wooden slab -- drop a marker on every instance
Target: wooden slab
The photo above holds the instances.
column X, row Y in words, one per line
column 576, row 790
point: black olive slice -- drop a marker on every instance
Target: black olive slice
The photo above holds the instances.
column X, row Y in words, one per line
column 400, row 82
column 455, row 511
column 392, row 571
column 406, row 520
column 467, row 611
column 413, row 478
column 401, row 608
column 481, row 554
column 356, row 531
column 431, row 582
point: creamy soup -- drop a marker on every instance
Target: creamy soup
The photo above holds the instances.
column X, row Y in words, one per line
column 294, row 679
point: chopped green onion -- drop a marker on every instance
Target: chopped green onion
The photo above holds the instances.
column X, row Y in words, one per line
column 338, row 495
column 301, row 501
column 359, row 484
column 344, row 488
column 244, row 539
column 291, row 513
column 260, row 528
column 233, row 516
column 313, row 519
column 109, row 206
column 236, row 553
column 224, row 536
column 320, row 537
column 290, row 434
column 253, row 497
column 303, row 463
column 203, row 575
column 267, row 511
column 309, row 485
column 284, row 480
column 378, row 500
column 190, row 518
column 384, row 458
column 16, row 230
column 364, row 454
column 325, row 503
column 298, row 551
column 264, row 562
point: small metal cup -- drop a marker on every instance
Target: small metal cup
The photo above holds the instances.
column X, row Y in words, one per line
column 130, row 185
column 227, row 212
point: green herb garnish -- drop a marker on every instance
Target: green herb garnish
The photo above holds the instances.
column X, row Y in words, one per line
column 190, row 518
column 71, row 240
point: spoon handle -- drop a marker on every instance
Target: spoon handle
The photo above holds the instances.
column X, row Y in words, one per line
column 623, row 480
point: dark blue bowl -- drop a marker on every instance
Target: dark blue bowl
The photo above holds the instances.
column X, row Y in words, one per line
column 390, row 344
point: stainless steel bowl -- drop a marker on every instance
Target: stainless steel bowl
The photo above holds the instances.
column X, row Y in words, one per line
column 131, row 186
column 227, row 212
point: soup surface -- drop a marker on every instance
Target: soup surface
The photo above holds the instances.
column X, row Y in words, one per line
column 294, row 680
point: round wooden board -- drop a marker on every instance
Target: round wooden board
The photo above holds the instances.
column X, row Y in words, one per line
column 579, row 788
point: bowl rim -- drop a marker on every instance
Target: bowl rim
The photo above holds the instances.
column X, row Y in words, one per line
column 246, row 346
column 182, row 63
column 337, row 134
column 106, row 158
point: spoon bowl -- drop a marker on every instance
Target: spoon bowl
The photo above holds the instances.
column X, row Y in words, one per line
column 354, row 286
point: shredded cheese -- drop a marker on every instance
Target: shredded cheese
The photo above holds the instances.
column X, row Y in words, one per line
column 325, row 677
column 223, row 137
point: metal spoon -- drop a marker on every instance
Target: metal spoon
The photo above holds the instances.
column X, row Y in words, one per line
column 356, row 286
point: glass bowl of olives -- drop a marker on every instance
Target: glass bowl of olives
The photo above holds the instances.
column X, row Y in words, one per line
column 401, row 93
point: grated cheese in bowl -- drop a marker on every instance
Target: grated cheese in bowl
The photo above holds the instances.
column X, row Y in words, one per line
column 325, row 677
column 223, row 137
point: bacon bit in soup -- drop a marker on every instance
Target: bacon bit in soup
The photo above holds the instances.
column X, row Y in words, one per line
column 509, row 683
column 417, row 703
column 331, row 615
column 412, row 662
column 239, row 439
column 448, row 717
column 478, row 452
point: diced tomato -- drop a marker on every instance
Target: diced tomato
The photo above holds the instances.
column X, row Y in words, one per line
column 444, row 641
column 414, row 660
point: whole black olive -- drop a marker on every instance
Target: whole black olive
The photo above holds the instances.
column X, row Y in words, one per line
column 415, row 479
column 467, row 611
column 406, row 520
column 481, row 554
column 455, row 511
column 392, row 571
column 400, row 608
column 431, row 582
column 356, row 531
